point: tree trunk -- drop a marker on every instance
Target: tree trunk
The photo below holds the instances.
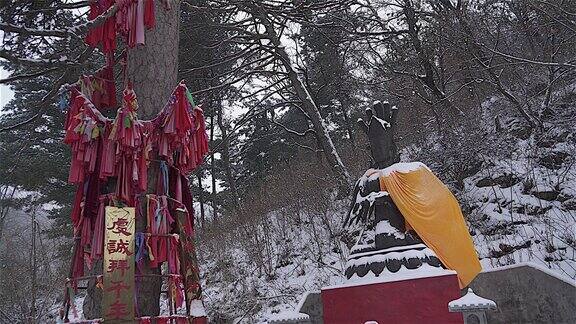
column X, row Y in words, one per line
column 153, row 67
column 213, row 167
column 5, row 198
column 153, row 70
column 201, row 199
column 226, row 160
column 426, row 62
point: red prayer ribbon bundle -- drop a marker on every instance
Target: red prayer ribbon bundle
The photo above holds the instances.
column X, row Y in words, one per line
column 104, row 34
column 103, row 148
column 159, row 224
column 130, row 20
column 84, row 124
column 172, row 130
column 100, row 87
column 121, row 146
column 129, row 142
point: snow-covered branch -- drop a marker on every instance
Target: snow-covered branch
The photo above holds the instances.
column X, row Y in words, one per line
column 568, row 64
column 292, row 131
column 62, row 33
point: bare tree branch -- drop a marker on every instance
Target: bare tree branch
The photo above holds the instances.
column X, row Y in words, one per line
column 294, row 132
column 71, row 31
column 525, row 60
column 34, row 62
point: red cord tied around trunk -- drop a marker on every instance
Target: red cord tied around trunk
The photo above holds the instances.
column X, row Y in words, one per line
column 162, row 320
column 180, row 319
column 145, row 320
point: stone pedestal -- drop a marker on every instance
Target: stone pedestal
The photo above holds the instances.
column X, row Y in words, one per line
column 387, row 247
column 420, row 297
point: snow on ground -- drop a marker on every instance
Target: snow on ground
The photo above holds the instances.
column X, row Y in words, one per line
column 529, row 215
column 246, row 285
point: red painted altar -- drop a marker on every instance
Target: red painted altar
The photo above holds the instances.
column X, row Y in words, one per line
column 414, row 300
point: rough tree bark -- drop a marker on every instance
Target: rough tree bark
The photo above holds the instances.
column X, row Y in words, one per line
column 6, row 195
column 201, row 200
column 153, row 67
column 213, row 168
column 153, row 71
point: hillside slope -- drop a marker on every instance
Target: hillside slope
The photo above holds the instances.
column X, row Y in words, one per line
column 520, row 204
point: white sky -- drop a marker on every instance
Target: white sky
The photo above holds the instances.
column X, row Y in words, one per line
column 5, row 92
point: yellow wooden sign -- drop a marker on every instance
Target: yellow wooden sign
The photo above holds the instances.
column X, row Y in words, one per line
column 118, row 290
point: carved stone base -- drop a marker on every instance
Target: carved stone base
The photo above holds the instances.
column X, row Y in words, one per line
column 386, row 262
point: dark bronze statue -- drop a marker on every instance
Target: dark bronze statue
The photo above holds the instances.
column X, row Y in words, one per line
column 371, row 253
column 380, row 130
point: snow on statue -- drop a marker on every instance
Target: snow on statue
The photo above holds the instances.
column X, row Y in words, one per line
column 417, row 221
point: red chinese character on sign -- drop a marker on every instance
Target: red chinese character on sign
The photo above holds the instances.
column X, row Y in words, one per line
column 120, row 247
column 117, row 310
column 117, row 287
column 120, row 226
column 111, row 246
column 121, row 265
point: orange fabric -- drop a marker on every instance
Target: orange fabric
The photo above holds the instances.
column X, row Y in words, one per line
column 434, row 213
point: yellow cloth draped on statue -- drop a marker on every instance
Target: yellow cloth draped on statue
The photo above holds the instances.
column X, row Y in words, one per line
column 433, row 212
